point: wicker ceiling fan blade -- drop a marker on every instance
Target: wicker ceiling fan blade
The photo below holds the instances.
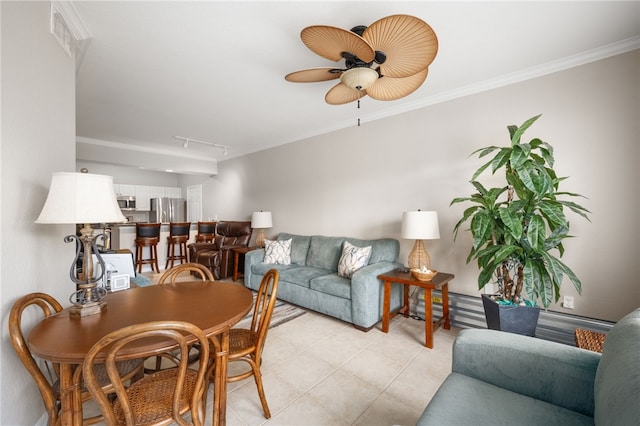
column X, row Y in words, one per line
column 329, row 42
column 390, row 88
column 312, row 75
column 342, row 94
column 409, row 43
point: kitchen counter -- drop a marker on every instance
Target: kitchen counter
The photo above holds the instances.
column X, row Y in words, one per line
column 123, row 236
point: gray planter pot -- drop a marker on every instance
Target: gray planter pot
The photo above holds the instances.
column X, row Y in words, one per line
column 512, row 319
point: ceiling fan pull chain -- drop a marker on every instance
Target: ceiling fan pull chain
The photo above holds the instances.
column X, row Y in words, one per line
column 358, row 112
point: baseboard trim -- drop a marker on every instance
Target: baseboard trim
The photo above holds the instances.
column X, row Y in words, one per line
column 467, row 312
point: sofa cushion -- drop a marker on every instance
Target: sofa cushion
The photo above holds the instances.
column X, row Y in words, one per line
column 617, row 384
column 299, row 247
column 352, row 259
column 463, row 400
column 302, row 275
column 324, row 252
column 262, row 268
column 382, row 250
column 277, row 252
column 332, row 284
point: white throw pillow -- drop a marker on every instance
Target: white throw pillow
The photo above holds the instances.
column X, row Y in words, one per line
column 352, row 259
column 277, row 252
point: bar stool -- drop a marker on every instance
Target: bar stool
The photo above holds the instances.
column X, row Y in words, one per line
column 206, row 232
column 147, row 235
column 178, row 236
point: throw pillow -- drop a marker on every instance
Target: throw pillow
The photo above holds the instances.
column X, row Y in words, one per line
column 277, row 252
column 352, row 259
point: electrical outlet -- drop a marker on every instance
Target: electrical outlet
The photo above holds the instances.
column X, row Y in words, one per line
column 567, row 302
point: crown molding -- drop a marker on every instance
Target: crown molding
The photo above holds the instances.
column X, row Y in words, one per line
column 72, row 19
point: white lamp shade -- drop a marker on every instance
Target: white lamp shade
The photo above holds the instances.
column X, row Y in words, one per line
column 81, row 198
column 419, row 225
column 261, row 220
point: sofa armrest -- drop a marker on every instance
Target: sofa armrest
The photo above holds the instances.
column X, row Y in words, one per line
column 251, row 258
column 553, row 372
column 367, row 292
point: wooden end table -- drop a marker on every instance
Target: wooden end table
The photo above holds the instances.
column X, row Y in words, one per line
column 237, row 251
column 439, row 282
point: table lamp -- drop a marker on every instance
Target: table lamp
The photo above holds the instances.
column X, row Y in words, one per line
column 419, row 225
column 261, row 220
column 83, row 198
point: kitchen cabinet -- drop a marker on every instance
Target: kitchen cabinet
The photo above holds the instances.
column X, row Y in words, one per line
column 173, row 192
column 143, row 193
column 126, row 189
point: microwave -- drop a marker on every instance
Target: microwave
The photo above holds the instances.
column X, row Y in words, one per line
column 126, row 202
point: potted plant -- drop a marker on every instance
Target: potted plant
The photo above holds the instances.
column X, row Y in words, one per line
column 518, row 228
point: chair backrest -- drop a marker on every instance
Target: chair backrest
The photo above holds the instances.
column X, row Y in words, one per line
column 148, row 230
column 206, row 228
column 109, row 348
column 48, row 305
column 179, row 229
column 263, row 308
column 235, row 233
column 170, row 275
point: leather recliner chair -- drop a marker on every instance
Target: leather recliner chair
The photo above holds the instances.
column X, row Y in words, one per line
column 207, row 254
column 235, row 234
column 218, row 256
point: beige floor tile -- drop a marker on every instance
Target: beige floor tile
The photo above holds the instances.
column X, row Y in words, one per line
column 306, row 411
column 387, row 410
column 303, row 371
column 245, row 401
column 344, row 395
column 374, row 368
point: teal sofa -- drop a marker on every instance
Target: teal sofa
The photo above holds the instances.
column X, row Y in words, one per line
column 507, row 379
column 312, row 281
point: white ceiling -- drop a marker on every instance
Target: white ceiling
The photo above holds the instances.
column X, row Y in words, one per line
column 214, row 71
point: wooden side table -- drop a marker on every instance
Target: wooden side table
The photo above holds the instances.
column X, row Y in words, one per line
column 237, row 251
column 439, row 282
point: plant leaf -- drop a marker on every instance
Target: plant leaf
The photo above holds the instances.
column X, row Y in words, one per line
column 517, row 133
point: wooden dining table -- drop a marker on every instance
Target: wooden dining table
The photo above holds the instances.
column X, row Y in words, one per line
column 65, row 339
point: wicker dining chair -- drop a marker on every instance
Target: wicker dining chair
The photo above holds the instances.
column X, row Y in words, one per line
column 170, row 275
column 164, row 397
column 247, row 344
column 48, row 386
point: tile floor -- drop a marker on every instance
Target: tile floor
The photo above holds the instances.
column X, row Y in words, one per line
column 321, row 371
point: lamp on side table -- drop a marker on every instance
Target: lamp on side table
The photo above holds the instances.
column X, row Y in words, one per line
column 261, row 220
column 83, row 198
column 419, row 225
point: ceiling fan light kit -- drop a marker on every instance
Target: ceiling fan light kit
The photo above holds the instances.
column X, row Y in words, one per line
column 388, row 60
column 359, row 78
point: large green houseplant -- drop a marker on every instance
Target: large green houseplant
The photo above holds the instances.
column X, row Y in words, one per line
column 518, row 228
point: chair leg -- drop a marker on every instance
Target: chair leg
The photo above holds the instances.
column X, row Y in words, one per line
column 169, row 255
column 263, row 400
column 155, row 258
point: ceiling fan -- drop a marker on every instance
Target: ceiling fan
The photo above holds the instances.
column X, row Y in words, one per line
column 387, row 60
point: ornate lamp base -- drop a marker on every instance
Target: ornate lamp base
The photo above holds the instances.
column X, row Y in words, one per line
column 88, row 309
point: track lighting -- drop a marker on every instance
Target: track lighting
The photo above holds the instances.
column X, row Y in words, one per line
column 211, row 144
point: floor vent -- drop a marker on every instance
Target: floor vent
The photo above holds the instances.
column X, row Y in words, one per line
column 467, row 312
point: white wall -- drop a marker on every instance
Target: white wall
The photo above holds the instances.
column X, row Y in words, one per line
column 131, row 175
column 38, row 138
column 357, row 182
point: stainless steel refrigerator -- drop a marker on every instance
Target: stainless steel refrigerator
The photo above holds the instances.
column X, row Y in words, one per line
column 167, row 210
